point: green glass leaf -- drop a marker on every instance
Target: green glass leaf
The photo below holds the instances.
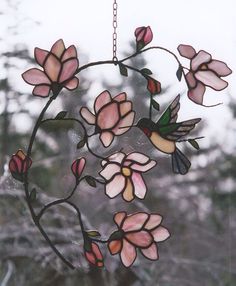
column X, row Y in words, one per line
column 91, row 181
column 33, row 195
column 81, row 144
column 61, row 115
column 179, row 73
column 155, row 105
column 194, row 143
column 123, row 70
column 146, row 71
column 93, row 233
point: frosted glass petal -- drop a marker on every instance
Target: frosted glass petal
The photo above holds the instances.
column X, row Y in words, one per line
column 35, row 76
column 101, row 100
column 160, row 233
column 151, row 252
column 52, row 67
column 128, row 253
column 115, row 186
column 140, row 238
column 68, row 69
column 41, row 90
column 134, row 221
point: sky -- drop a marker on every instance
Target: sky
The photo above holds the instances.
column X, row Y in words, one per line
column 205, row 24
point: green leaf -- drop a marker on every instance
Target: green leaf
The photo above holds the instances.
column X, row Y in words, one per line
column 61, row 115
column 123, row 70
column 93, row 233
column 146, row 71
column 155, row 105
column 91, row 181
column 179, row 73
column 81, row 144
column 194, row 143
column 33, row 195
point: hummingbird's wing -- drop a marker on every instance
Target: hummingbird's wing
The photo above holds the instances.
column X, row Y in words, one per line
column 170, row 115
column 174, row 131
column 167, row 126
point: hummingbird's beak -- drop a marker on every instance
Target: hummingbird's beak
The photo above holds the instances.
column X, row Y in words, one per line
column 128, row 126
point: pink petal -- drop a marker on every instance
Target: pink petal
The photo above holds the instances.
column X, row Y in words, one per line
column 186, row 51
column 210, row 79
column 72, row 84
column 116, row 157
column 128, row 120
column 125, row 107
column 201, row 58
column 114, row 246
column 115, row 186
column 109, row 171
column 219, row 67
column 196, row 94
column 191, row 81
column 119, row 217
column 87, row 115
column 90, row 257
column 140, row 188
column 120, row 97
column 139, row 32
column 41, row 90
column 151, row 252
column 138, row 157
column 96, row 251
column 58, row 48
column 148, row 35
column 128, row 253
column 160, row 233
column 143, row 168
column 40, row 55
column 35, row 76
column 52, row 67
column 153, row 221
column 140, row 238
column 69, row 53
column 68, row 69
column 135, row 221
column 101, row 100
column 108, row 116
column 106, row 138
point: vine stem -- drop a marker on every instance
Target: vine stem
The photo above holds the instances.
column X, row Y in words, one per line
column 26, row 187
column 36, row 218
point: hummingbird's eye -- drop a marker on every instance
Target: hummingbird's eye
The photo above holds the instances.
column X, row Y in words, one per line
column 146, row 131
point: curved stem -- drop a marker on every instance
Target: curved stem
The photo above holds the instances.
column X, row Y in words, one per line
column 86, row 136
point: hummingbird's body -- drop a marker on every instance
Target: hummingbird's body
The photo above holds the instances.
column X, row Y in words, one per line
column 166, row 132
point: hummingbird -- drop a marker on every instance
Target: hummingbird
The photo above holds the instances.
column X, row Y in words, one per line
column 166, row 132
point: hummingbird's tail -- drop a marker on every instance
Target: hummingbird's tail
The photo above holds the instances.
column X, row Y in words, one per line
column 180, row 163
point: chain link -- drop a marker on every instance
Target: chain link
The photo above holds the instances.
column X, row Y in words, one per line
column 114, row 36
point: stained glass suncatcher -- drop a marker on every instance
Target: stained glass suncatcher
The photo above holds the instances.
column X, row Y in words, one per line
column 122, row 173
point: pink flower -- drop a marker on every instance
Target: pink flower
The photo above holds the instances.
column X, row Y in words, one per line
column 111, row 116
column 139, row 230
column 19, row 164
column 93, row 253
column 204, row 71
column 59, row 69
column 77, row 167
column 143, row 37
column 123, row 174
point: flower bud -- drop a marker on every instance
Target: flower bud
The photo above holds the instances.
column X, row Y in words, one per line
column 153, row 86
column 19, row 164
column 77, row 167
column 143, row 37
column 93, row 253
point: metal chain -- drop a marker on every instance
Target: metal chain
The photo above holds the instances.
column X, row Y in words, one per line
column 114, row 36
